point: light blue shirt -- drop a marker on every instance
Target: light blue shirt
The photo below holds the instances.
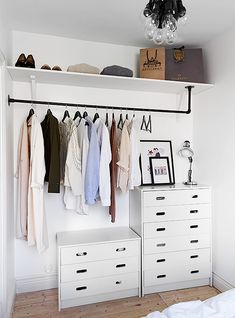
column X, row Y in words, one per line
column 92, row 175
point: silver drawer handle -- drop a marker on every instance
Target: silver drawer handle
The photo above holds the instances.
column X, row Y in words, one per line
column 161, row 276
column 81, row 271
column 118, row 282
column 161, row 229
column 194, row 256
column 194, row 241
column 161, row 260
column 160, row 198
column 160, row 213
column 120, row 265
column 194, row 211
column 161, row 244
column 195, row 272
column 195, row 196
column 194, row 226
column 81, row 288
column 81, row 254
column 120, row 249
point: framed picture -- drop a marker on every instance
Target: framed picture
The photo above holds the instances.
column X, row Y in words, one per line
column 155, row 148
column 160, row 170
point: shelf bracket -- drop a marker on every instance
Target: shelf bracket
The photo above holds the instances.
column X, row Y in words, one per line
column 135, row 109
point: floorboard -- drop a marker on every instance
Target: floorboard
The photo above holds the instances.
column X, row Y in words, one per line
column 43, row 304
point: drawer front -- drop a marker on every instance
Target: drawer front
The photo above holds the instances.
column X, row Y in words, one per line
column 76, row 272
column 179, row 243
column 177, row 228
column 173, row 275
column 96, row 252
column 177, row 197
column 173, row 213
column 164, row 261
column 88, row 287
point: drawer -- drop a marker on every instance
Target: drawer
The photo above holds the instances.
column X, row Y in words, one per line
column 96, row 252
column 176, row 228
column 75, row 272
column 173, row 213
column 173, row 275
column 164, row 261
column 177, row 197
column 178, row 243
column 103, row 285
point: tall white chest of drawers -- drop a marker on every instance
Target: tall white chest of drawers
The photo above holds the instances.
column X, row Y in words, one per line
column 98, row 265
column 175, row 225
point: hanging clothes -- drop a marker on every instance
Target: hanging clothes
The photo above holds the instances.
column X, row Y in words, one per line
column 65, row 129
column 83, row 141
column 23, row 183
column 124, row 158
column 92, row 175
column 37, row 228
column 105, row 159
column 50, row 129
column 113, row 170
column 73, row 173
column 134, row 170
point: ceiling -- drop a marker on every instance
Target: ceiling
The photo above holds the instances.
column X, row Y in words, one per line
column 116, row 21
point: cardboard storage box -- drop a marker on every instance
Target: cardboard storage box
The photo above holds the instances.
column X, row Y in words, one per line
column 184, row 65
column 152, row 63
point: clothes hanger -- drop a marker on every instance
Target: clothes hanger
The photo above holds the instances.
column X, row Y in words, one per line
column 85, row 114
column 149, row 124
column 31, row 112
column 96, row 116
column 143, row 124
column 66, row 114
column 48, row 110
column 77, row 114
column 107, row 119
column 121, row 122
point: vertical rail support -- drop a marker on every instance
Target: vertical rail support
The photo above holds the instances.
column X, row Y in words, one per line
column 189, row 88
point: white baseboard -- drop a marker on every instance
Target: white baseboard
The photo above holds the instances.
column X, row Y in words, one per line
column 36, row 283
column 11, row 303
column 220, row 283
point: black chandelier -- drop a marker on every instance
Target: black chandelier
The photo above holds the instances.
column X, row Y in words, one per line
column 161, row 18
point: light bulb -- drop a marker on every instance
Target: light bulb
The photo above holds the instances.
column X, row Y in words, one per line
column 155, row 19
column 149, row 22
column 183, row 20
column 149, row 32
column 170, row 37
column 142, row 17
column 169, row 22
column 158, row 37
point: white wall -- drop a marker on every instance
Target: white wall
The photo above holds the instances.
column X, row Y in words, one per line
column 7, row 270
column 214, row 137
column 5, row 33
column 35, row 271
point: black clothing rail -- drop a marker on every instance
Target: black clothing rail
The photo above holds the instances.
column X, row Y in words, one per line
column 40, row 102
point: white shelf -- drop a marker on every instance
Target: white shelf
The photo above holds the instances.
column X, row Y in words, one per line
column 20, row 74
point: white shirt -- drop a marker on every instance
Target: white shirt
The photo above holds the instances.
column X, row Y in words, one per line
column 105, row 159
column 73, row 173
column 124, row 159
column 37, row 228
column 134, row 171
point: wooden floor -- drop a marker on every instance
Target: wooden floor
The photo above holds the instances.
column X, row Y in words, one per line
column 43, row 304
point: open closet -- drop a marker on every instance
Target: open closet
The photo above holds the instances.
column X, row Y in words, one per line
column 164, row 236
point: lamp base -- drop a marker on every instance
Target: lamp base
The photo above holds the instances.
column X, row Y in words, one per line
column 190, row 183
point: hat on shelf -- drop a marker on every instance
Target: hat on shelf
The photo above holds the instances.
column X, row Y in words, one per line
column 83, row 68
column 117, row 70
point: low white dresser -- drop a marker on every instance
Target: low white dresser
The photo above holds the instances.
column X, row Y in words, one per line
column 175, row 225
column 98, row 265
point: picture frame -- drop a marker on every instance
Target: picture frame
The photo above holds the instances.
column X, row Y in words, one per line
column 155, row 148
column 160, row 170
